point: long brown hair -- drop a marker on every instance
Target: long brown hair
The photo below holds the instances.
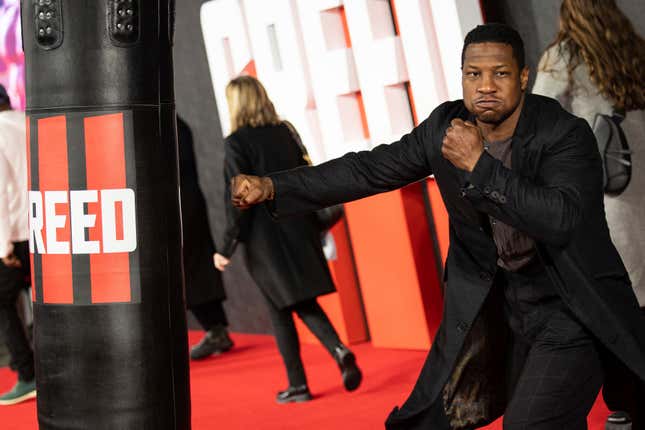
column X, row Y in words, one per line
column 249, row 104
column 597, row 33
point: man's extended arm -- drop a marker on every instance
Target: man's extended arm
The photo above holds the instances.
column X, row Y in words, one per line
column 353, row 176
column 549, row 208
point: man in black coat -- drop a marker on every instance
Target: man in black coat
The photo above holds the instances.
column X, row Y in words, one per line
column 538, row 306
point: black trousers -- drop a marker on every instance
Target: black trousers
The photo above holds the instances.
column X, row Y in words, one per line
column 210, row 314
column 555, row 372
column 12, row 282
column 286, row 335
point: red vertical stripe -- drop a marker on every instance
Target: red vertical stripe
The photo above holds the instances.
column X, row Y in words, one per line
column 105, row 159
column 343, row 17
column 54, row 176
column 31, row 256
column 413, row 109
column 395, row 18
column 361, row 107
column 118, row 213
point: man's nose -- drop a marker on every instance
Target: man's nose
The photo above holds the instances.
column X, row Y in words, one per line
column 487, row 84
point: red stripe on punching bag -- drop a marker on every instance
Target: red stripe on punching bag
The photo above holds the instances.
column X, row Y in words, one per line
column 118, row 211
column 54, row 186
column 105, row 160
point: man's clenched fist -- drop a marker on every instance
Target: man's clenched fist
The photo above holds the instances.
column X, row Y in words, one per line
column 462, row 144
column 247, row 190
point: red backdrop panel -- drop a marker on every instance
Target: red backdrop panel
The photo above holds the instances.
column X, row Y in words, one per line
column 344, row 308
column 397, row 269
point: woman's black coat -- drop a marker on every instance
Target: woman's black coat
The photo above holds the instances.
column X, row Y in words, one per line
column 285, row 258
column 203, row 281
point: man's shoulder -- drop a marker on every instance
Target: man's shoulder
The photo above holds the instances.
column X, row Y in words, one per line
column 545, row 104
column 549, row 114
column 552, row 122
column 236, row 138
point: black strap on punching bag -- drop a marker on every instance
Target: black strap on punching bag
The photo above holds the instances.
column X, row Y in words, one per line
column 110, row 329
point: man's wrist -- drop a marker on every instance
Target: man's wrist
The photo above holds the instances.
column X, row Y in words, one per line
column 483, row 172
column 473, row 164
column 268, row 183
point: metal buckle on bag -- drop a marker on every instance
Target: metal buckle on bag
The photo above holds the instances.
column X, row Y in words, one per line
column 48, row 18
column 124, row 21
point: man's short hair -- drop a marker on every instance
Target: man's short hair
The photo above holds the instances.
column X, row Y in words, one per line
column 496, row 33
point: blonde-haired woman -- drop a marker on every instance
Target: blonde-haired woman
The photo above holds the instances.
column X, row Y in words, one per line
column 284, row 258
column 596, row 65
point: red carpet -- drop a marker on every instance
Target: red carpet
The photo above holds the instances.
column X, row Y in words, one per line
column 235, row 391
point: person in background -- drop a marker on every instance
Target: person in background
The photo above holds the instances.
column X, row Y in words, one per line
column 596, row 65
column 204, row 287
column 285, row 258
column 14, row 248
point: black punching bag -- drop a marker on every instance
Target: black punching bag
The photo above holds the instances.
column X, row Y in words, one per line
column 105, row 237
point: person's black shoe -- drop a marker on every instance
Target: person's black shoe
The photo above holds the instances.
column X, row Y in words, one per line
column 216, row 341
column 346, row 360
column 294, row 394
column 618, row 421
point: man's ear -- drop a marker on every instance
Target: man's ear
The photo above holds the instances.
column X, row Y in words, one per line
column 524, row 78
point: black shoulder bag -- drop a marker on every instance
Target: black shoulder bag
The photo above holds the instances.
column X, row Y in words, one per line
column 615, row 152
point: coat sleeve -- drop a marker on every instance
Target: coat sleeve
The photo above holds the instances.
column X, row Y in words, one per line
column 236, row 162
column 354, row 175
column 549, row 208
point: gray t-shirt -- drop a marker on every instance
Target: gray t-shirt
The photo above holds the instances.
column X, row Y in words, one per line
column 515, row 249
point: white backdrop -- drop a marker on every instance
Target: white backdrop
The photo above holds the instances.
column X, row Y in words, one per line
column 341, row 71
